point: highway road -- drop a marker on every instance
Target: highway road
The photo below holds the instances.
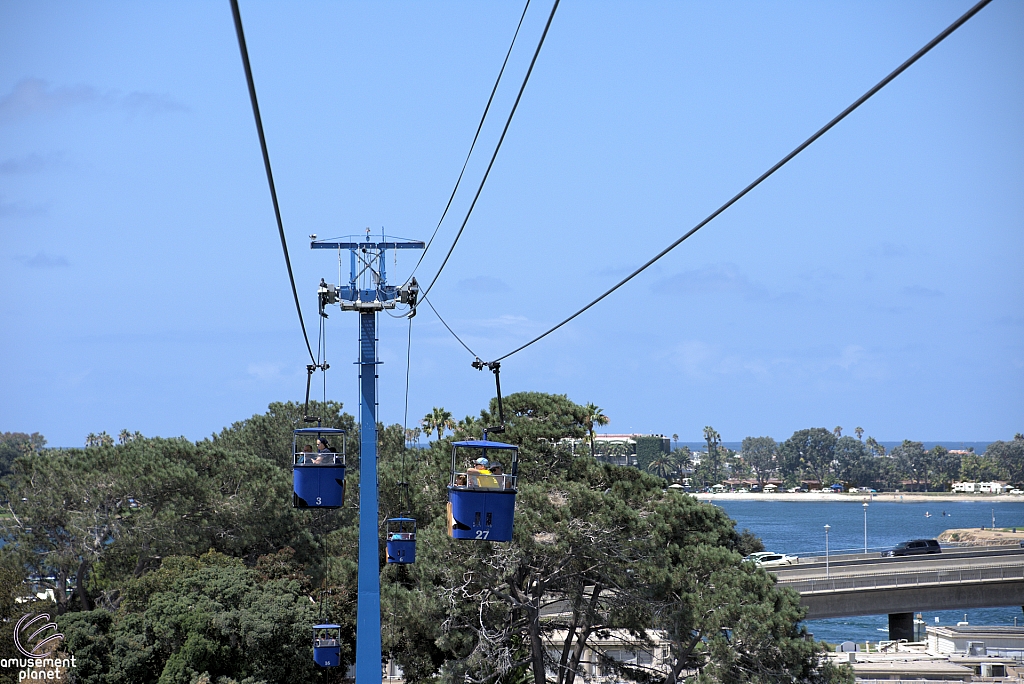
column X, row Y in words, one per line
column 852, row 566
column 962, row 578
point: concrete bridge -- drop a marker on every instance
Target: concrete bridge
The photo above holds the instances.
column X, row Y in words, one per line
column 864, row 585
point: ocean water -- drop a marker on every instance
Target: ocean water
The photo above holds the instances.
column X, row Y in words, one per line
column 798, row 527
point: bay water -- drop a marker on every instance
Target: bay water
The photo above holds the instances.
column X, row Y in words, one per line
column 798, row 527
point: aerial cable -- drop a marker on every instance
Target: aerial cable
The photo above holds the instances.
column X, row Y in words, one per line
column 494, row 156
column 405, row 416
column 861, row 100
column 322, row 343
column 472, row 145
column 448, row 326
column 266, row 163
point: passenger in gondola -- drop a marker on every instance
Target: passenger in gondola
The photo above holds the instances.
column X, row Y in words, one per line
column 476, row 471
column 482, row 474
column 306, row 457
column 325, row 454
column 498, row 473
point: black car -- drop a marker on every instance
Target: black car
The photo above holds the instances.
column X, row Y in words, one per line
column 913, row 548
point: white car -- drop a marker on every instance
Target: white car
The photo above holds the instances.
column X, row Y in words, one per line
column 756, row 556
column 773, row 560
column 1016, row 491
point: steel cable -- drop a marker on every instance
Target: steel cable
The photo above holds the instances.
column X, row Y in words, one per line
column 266, row 163
column 494, row 156
column 472, row 145
column 800, row 148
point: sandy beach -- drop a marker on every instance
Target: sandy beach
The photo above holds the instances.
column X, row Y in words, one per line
column 897, row 497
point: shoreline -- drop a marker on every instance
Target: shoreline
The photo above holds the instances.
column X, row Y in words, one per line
column 880, row 497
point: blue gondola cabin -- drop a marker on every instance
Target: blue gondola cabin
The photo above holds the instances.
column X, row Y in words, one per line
column 401, row 539
column 482, row 490
column 318, row 469
column 327, row 645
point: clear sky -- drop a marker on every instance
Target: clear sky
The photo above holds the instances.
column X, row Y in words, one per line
column 876, row 281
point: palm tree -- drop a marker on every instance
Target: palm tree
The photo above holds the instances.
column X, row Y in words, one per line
column 837, row 431
column 464, row 428
column 438, row 420
column 663, row 466
column 859, row 431
column 713, row 439
column 594, row 416
column 683, row 457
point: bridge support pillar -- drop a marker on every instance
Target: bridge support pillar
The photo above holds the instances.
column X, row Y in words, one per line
column 901, row 626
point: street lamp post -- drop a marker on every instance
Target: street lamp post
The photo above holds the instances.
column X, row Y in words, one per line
column 865, row 527
column 827, row 528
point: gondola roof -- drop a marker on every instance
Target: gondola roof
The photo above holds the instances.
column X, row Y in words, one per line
column 481, row 444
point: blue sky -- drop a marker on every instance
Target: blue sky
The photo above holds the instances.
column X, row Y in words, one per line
column 875, row 281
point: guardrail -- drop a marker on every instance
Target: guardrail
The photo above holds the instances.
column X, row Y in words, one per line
column 818, row 555
column 892, row 580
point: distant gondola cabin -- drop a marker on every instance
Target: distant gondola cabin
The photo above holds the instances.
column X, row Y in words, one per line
column 318, row 468
column 482, row 490
column 401, row 540
column 327, row 645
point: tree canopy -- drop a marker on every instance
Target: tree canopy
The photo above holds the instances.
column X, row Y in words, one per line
column 188, row 563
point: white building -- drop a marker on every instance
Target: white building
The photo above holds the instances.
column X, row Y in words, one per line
column 605, row 651
column 970, row 640
column 981, row 487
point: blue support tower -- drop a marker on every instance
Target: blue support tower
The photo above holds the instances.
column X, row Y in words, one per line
column 367, row 293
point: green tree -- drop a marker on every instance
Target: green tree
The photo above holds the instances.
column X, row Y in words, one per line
column 683, row 457
column 15, row 444
column 269, row 435
column 107, row 513
column 608, row 546
column 854, row 463
column 594, row 417
column 859, row 431
column 889, row 473
column 811, row 450
column 544, row 426
column 913, row 461
column 438, row 420
column 1009, row 458
column 208, row 616
column 760, row 453
column 945, row 466
column 13, row 592
column 979, row 468
column 714, row 459
column 664, row 466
